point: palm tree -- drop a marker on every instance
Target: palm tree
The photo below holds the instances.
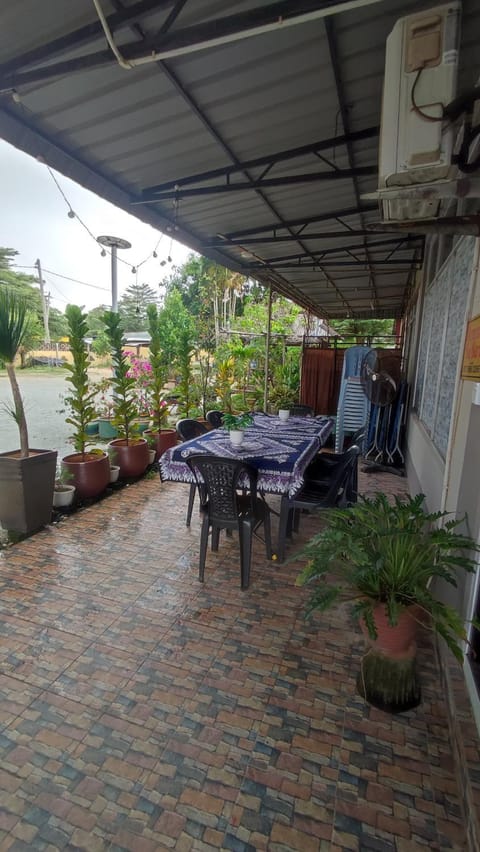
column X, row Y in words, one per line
column 14, row 328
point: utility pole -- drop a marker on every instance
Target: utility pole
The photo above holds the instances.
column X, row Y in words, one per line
column 45, row 302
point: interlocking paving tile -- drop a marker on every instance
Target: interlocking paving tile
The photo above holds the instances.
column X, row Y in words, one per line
column 141, row 710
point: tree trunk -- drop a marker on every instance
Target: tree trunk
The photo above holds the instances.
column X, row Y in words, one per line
column 19, row 410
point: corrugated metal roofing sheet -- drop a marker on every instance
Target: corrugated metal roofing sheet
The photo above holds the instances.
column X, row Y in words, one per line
column 121, row 131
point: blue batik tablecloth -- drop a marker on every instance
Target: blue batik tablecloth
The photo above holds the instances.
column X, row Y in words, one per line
column 279, row 451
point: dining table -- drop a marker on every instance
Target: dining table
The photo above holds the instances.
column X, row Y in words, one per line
column 279, row 450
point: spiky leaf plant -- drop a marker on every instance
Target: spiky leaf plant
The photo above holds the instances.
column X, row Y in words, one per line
column 14, row 328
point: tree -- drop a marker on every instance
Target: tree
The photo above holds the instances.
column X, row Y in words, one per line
column 27, row 287
column 363, row 330
column 132, row 308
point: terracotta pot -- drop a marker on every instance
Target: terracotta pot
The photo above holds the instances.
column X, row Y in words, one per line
column 394, row 641
column 131, row 457
column 90, row 473
column 163, row 440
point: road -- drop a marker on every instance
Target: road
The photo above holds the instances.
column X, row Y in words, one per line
column 42, row 395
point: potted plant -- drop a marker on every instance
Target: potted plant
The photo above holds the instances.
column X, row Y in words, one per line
column 104, row 410
column 131, row 451
column 235, row 425
column 64, row 491
column 158, row 433
column 114, row 467
column 27, row 476
column 89, row 470
column 383, row 557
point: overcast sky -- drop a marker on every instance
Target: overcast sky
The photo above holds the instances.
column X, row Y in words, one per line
column 34, row 221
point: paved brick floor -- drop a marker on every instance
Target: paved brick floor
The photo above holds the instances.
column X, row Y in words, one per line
column 143, row 711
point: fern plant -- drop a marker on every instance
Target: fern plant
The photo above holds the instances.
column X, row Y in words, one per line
column 381, row 553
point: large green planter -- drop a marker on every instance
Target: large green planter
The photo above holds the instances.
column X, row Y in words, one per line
column 26, row 489
column 106, row 429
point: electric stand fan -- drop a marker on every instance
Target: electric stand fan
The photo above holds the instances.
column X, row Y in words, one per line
column 380, row 377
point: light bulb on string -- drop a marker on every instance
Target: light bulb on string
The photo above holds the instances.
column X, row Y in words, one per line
column 134, row 270
column 71, row 214
column 154, row 254
column 103, row 253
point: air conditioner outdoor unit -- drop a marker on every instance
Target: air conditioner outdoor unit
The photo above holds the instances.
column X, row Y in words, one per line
column 420, row 80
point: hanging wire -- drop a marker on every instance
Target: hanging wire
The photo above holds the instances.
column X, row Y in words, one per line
column 73, row 215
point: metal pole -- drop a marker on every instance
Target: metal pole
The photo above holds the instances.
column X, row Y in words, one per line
column 267, row 349
column 45, row 303
column 114, row 280
column 114, row 243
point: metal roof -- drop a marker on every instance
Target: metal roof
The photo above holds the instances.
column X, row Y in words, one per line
column 259, row 111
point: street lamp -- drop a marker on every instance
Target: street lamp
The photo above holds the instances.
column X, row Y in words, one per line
column 114, row 243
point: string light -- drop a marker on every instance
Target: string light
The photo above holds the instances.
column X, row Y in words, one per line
column 73, row 215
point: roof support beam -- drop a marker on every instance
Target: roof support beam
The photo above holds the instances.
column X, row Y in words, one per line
column 293, row 223
column 164, row 45
column 286, row 180
column 267, row 160
column 83, row 35
column 332, row 46
column 218, row 242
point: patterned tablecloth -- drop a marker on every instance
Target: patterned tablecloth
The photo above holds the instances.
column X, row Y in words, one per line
column 279, row 451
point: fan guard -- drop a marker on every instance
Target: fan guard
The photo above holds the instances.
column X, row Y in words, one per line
column 380, row 376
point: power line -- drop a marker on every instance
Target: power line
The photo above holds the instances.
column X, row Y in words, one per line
column 76, row 281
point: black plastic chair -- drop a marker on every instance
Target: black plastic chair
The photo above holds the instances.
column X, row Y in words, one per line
column 187, row 429
column 301, row 411
column 219, row 481
column 336, row 490
column 321, row 469
column 215, row 418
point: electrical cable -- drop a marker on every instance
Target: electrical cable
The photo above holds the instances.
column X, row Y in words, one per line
column 417, row 109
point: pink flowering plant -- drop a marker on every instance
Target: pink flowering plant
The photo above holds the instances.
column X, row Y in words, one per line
column 140, row 369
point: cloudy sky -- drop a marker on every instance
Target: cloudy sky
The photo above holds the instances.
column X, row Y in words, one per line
column 34, row 221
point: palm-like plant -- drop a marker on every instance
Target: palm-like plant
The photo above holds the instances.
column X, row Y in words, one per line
column 377, row 552
column 14, row 328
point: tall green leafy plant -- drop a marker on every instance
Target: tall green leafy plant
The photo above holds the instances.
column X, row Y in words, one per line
column 14, row 329
column 81, row 401
column 125, row 409
column 158, row 373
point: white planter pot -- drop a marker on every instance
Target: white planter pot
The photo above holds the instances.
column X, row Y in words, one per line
column 283, row 414
column 64, row 496
column 152, row 454
column 236, row 437
column 114, row 471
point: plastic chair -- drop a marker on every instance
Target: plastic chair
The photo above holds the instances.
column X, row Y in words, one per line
column 322, row 467
column 223, row 507
column 301, row 411
column 336, row 490
column 215, row 418
column 187, row 429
